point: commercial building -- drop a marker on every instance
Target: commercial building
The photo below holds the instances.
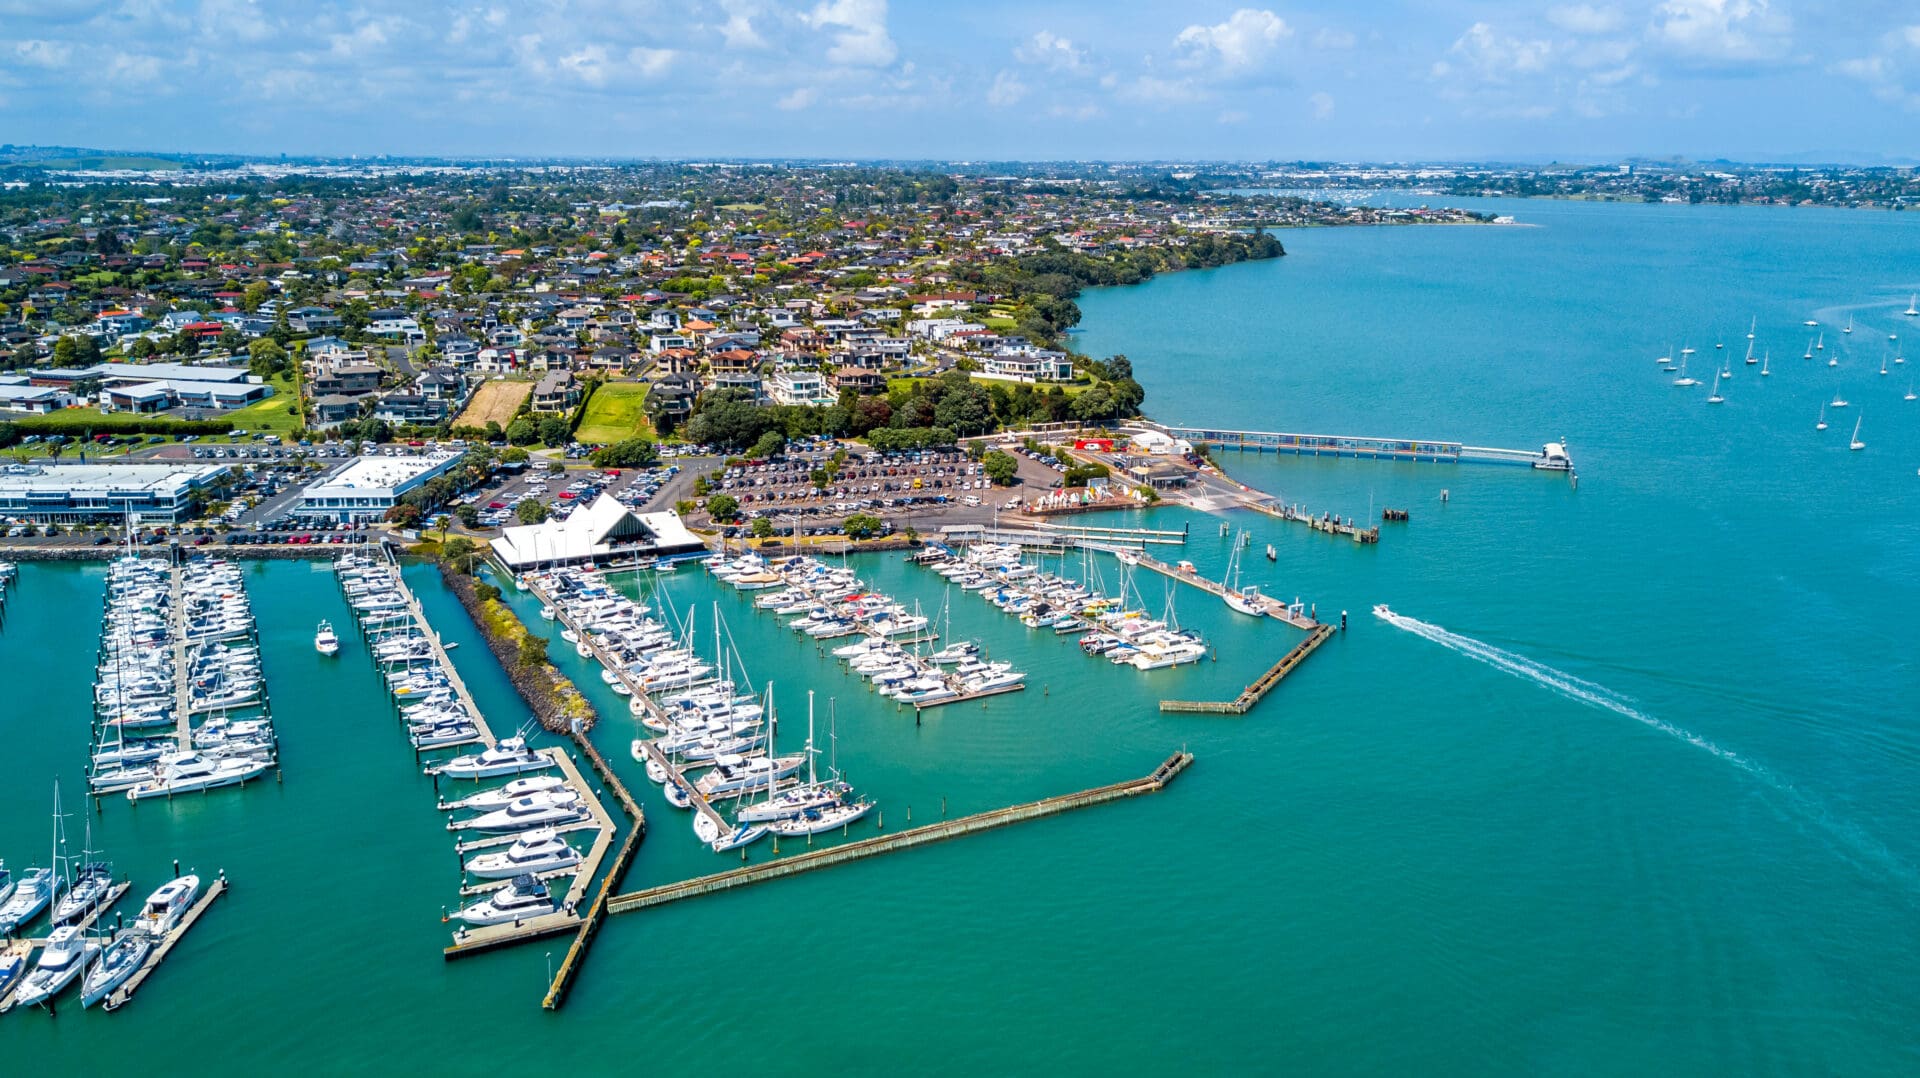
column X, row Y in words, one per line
column 77, row 493
column 603, row 532
column 368, row 487
column 37, row 399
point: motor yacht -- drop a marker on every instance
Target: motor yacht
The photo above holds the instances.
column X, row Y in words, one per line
column 325, row 641
column 64, row 957
column 520, row 899
column 524, row 813
column 488, row 800
column 166, row 905
column 535, row 852
column 510, row 757
column 185, row 772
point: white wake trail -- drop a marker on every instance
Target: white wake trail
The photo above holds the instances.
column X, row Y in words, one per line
column 1855, row 841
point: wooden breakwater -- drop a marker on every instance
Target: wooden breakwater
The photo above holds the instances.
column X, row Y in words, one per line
column 919, row 836
column 1261, row 686
column 597, row 913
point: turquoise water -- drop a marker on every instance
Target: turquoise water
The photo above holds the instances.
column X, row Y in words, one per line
column 1699, row 857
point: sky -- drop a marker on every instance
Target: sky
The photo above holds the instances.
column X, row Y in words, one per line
column 1375, row 80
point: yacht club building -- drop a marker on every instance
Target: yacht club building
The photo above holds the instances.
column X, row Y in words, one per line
column 80, row 493
column 602, row 533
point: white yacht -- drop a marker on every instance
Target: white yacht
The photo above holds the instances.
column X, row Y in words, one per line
column 166, row 905
column 707, row 831
column 1913, row 306
column 90, row 888
column 525, row 813
column 117, row 962
column 31, row 894
column 535, row 852
column 185, row 772
column 524, row 897
column 325, row 641
column 1856, row 444
column 488, row 800
column 510, row 757
column 64, row 957
column 816, row 820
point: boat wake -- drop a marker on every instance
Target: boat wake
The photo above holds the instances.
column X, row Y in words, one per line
column 1856, row 845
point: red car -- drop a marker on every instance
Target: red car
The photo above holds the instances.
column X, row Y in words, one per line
column 496, row 505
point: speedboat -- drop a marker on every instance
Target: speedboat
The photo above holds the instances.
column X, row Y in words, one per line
column 535, row 852
column 533, row 810
column 510, row 757
column 90, row 888
column 325, row 641
column 1382, row 611
column 116, row 963
column 166, row 905
column 524, row 897
column 63, row 958
column 487, row 800
column 31, row 894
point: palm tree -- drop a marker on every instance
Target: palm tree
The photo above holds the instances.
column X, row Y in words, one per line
column 443, row 522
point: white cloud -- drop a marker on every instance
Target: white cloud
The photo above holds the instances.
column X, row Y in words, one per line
column 134, row 69
column 1075, row 112
column 651, row 63
column 1587, row 19
column 1329, row 38
column 1231, row 116
column 1720, row 31
column 588, row 64
column 860, row 31
column 1052, row 51
column 798, row 99
column 1496, row 58
column 1885, row 71
column 738, row 31
column 1322, row 102
column 1244, row 40
column 1007, row 90
column 48, row 54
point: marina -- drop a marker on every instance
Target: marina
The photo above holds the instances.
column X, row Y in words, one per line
column 171, row 935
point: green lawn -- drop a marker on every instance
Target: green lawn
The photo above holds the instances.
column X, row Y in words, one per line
column 273, row 414
column 617, row 412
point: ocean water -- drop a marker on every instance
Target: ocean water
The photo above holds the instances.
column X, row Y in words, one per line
column 1628, row 787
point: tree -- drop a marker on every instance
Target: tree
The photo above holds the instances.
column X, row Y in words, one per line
column 533, row 650
column 523, row 431
column 761, row 528
column 632, row 453
column 862, row 526
column 460, row 553
column 469, row 515
column 515, row 455
column 1001, row 467
column 442, row 523
column 819, row 477
column 266, row 358
column 553, row 431
column 404, row 514
column 771, row 444
column 723, row 506
column 530, row 511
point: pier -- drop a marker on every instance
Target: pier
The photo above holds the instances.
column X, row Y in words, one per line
column 1261, row 686
column 182, row 689
column 122, row 994
column 419, row 621
column 1273, row 608
column 1127, row 536
column 902, row 840
column 678, row 778
column 597, row 913
column 1360, row 447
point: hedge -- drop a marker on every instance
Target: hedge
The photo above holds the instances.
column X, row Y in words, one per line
column 580, row 410
column 118, row 423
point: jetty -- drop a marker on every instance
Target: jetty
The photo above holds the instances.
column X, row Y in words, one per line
column 674, row 775
column 182, row 684
column 1261, row 686
column 24, row 947
column 488, row 937
column 1273, row 608
column 377, row 624
column 1325, row 522
column 1127, row 536
column 812, row 860
column 597, row 913
column 1361, row 447
column 122, row 994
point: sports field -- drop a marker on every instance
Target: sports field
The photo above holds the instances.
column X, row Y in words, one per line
column 618, row 411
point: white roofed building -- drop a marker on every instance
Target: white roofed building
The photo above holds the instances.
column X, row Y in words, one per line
column 605, row 531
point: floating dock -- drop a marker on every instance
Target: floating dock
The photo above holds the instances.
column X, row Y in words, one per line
column 1273, row 608
column 468, row 941
column 439, row 649
column 919, row 836
column 122, row 994
column 1261, row 686
column 182, row 691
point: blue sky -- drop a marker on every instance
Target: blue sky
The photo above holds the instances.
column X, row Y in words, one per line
column 1032, row 79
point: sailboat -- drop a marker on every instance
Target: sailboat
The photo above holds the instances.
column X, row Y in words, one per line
column 841, row 811
column 1883, row 366
column 1764, row 362
column 1822, row 425
column 1241, row 600
column 1809, row 354
column 1909, row 395
column 1683, row 380
column 1820, row 345
column 1849, row 328
column 1913, row 306
column 1751, row 326
column 1666, row 360
column 1856, row 444
column 1838, row 400
column 1750, row 360
column 1716, row 398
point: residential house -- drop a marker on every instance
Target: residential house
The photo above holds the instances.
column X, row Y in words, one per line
column 557, row 391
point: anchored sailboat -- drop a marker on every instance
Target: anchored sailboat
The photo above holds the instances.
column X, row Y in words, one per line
column 1856, row 444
